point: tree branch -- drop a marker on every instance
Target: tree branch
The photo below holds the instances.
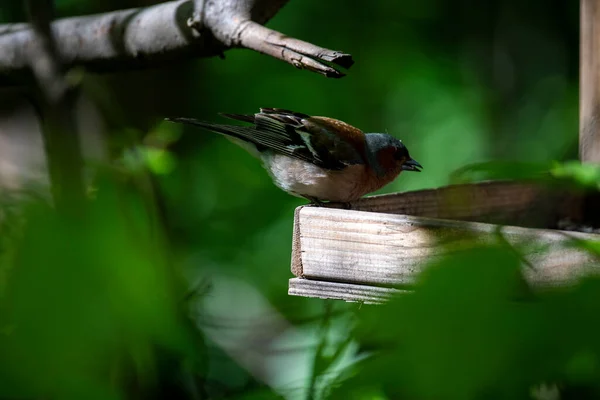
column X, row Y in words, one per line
column 167, row 32
column 43, row 57
column 197, row 19
column 300, row 54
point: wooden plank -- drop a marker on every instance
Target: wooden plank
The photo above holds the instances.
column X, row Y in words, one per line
column 340, row 291
column 504, row 202
column 589, row 83
column 389, row 250
column 296, row 254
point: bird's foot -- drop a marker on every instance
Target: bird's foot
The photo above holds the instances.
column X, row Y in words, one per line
column 315, row 202
column 318, row 203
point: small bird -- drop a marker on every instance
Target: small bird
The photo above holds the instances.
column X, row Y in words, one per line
column 318, row 158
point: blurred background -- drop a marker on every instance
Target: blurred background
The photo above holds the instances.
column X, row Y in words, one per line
column 102, row 311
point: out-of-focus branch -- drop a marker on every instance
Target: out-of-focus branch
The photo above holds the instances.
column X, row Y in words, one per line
column 197, row 19
column 43, row 56
column 61, row 139
column 166, row 32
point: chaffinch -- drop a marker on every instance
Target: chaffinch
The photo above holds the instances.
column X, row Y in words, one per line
column 318, row 158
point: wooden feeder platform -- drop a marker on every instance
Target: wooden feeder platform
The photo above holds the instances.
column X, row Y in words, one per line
column 378, row 246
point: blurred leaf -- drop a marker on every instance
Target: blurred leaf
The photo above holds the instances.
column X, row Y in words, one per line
column 160, row 161
column 500, row 170
column 85, row 295
column 586, row 175
column 582, row 367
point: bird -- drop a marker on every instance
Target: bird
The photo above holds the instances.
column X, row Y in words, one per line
column 321, row 159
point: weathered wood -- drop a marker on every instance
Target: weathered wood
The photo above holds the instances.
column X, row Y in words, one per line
column 528, row 204
column 296, row 254
column 387, row 250
column 340, row 291
column 589, row 83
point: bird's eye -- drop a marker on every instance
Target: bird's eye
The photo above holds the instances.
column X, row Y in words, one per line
column 401, row 154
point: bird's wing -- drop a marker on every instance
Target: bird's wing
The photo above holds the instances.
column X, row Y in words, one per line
column 284, row 142
column 325, row 142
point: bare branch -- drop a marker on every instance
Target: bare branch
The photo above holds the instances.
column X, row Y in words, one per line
column 43, row 56
column 197, row 19
column 300, row 54
column 167, row 32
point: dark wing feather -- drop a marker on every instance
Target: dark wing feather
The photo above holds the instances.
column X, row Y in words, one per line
column 282, row 112
column 261, row 140
column 292, row 134
column 239, row 117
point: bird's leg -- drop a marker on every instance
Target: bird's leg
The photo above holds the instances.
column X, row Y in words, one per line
column 314, row 201
column 347, row 205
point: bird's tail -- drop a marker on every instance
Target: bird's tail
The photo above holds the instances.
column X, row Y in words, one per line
column 243, row 136
column 238, row 132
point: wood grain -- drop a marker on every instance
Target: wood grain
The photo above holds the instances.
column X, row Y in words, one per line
column 296, row 254
column 388, row 250
column 589, row 84
column 527, row 204
column 340, row 291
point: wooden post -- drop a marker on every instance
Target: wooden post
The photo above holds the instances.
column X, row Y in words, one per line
column 589, row 82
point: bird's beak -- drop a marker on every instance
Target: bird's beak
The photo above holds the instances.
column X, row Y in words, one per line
column 411, row 165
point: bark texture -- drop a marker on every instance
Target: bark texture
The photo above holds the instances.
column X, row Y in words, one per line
column 163, row 33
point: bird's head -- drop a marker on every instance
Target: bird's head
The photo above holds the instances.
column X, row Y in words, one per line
column 386, row 155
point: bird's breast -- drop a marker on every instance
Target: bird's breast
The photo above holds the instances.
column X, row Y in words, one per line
column 302, row 178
